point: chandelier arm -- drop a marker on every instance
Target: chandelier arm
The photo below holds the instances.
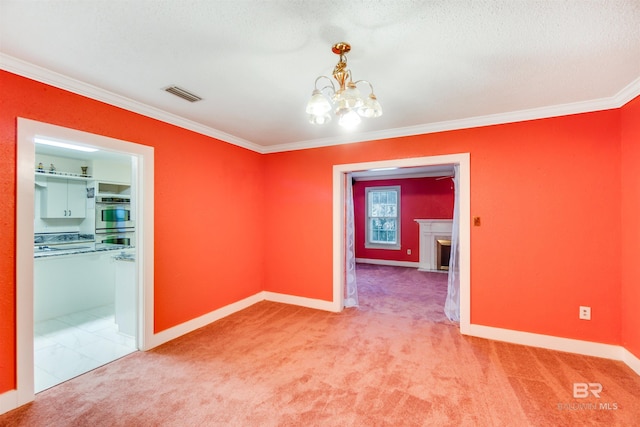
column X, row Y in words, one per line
column 367, row 82
column 330, row 87
column 328, row 91
column 328, row 79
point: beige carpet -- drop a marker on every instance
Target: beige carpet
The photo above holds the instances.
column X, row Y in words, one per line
column 395, row 361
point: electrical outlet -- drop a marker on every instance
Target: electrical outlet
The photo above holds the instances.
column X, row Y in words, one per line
column 585, row 313
column 408, row 251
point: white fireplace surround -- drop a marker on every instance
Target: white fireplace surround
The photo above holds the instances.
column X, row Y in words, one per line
column 432, row 230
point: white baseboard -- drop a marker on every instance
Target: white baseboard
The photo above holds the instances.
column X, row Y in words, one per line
column 434, row 271
column 631, row 360
column 303, row 301
column 191, row 325
column 569, row 345
column 8, row 401
column 388, row 262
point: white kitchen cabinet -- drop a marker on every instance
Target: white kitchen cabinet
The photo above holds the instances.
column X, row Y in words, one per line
column 113, row 170
column 68, row 284
column 64, row 198
column 126, row 292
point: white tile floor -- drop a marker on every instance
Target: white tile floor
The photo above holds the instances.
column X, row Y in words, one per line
column 71, row 345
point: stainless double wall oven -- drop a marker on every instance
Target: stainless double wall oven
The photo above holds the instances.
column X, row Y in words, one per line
column 115, row 222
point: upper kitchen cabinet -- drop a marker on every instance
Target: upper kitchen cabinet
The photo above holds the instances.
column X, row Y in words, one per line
column 113, row 170
column 63, row 198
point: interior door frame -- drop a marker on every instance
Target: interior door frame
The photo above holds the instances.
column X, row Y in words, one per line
column 339, row 174
column 142, row 173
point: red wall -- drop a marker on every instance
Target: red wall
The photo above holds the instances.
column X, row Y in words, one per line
column 420, row 198
column 208, row 204
column 630, row 137
column 547, row 191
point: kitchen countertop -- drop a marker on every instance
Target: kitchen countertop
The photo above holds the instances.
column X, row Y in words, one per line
column 55, row 238
column 123, row 256
column 46, row 251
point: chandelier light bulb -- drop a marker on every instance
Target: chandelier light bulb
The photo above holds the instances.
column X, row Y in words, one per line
column 342, row 106
column 371, row 108
column 318, row 104
column 348, row 103
column 349, row 120
column 319, row 119
column 352, row 96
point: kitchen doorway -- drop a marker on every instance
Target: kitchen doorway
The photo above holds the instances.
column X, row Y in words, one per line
column 85, row 299
column 141, row 158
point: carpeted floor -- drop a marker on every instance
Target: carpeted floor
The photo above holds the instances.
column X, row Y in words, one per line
column 394, row 361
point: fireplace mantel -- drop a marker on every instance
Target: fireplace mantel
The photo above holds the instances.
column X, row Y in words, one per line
column 431, row 230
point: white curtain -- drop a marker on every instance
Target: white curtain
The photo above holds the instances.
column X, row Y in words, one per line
column 452, row 304
column 351, row 288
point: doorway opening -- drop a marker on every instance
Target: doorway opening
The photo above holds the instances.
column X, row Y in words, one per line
column 141, row 159
column 339, row 233
column 85, row 284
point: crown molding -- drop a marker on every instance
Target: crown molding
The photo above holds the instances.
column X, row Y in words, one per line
column 43, row 75
column 625, row 95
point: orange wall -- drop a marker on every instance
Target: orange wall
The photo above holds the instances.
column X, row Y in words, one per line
column 544, row 190
column 630, row 137
column 208, row 204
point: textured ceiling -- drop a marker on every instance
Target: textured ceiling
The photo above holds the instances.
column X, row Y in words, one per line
column 254, row 62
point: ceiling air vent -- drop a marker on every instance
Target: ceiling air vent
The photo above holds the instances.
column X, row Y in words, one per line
column 184, row 94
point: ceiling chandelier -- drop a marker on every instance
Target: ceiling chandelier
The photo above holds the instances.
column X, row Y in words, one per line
column 346, row 100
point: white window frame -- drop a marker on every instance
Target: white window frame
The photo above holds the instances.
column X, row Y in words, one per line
column 377, row 245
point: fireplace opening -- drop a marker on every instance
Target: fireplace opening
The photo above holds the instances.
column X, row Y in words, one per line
column 443, row 252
